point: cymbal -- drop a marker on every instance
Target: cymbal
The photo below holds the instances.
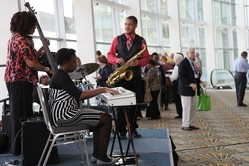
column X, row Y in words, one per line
column 84, row 70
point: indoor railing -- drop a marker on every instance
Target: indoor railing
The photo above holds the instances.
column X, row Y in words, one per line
column 222, row 79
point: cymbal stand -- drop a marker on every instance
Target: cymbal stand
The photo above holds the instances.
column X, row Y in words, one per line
column 88, row 85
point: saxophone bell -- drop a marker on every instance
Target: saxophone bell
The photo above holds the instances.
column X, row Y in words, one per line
column 127, row 75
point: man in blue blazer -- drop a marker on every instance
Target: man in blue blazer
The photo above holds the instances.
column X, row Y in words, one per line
column 187, row 87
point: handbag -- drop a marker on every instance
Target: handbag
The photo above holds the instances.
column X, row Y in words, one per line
column 203, row 101
column 147, row 93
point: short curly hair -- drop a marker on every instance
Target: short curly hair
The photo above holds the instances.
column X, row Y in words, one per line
column 22, row 22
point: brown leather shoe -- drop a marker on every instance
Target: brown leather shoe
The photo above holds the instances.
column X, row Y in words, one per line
column 186, row 128
column 194, row 127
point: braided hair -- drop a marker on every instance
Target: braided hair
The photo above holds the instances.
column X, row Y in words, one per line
column 22, row 22
column 64, row 55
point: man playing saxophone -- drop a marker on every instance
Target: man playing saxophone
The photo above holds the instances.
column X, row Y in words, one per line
column 123, row 48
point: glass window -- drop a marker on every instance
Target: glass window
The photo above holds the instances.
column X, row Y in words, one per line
column 187, row 9
column 103, row 22
column 222, row 38
column 223, row 59
column 148, row 5
column 233, row 13
column 45, row 16
column 220, row 13
column 122, row 16
column 53, row 47
column 150, row 32
column 124, row 2
column 247, row 15
column 200, row 10
column 69, row 20
column 165, row 29
column 201, row 37
column 224, row 13
column 73, row 45
column 163, row 7
column 188, row 35
column 202, row 53
column 234, row 40
column 104, row 48
column 247, row 39
column 191, row 9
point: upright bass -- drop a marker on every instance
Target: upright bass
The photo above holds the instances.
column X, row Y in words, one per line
column 46, row 48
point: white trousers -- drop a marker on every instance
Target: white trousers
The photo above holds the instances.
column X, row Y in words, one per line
column 188, row 110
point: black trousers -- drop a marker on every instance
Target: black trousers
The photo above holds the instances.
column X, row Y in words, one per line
column 20, row 93
column 153, row 110
column 177, row 98
column 135, row 85
column 240, row 85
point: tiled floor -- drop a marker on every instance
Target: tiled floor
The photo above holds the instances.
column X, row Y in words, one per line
column 223, row 137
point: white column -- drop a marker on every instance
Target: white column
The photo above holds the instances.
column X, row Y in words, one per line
column 241, row 26
column 209, row 37
column 135, row 11
column 174, row 26
column 84, row 21
column 7, row 8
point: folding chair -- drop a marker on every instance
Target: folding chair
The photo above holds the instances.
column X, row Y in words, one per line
column 60, row 135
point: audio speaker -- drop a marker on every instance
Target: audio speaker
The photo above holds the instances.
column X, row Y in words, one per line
column 34, row 138
column 6, row 128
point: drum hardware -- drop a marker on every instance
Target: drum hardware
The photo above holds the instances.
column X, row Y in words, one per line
column 79, row 75
column 84, row 70
column 83, row 84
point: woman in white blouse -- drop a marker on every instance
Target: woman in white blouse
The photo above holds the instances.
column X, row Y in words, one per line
column 174, row 78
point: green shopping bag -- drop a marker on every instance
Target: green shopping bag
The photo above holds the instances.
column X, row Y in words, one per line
column 203, row 101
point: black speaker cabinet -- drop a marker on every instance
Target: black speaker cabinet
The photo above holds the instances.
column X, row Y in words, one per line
column 34, row 138
column 6, row 128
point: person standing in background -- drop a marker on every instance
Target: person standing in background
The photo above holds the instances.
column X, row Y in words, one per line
column 104, row 71
column 21, row 72
column 161, row 75
column 198, row 67
column 187, row 90
column 174, row 78
column 166, row 96
column 98, row 53
column 169, row 58
column 152, row 110
column 123, row 48
column 241, row 67
column 198, row 64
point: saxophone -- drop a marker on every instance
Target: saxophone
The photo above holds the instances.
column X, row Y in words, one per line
column 122, row 72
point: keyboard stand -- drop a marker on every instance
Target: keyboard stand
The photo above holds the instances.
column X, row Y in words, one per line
column 130, row 137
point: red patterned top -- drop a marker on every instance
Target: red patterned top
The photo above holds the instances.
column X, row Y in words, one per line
column 19, row 49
